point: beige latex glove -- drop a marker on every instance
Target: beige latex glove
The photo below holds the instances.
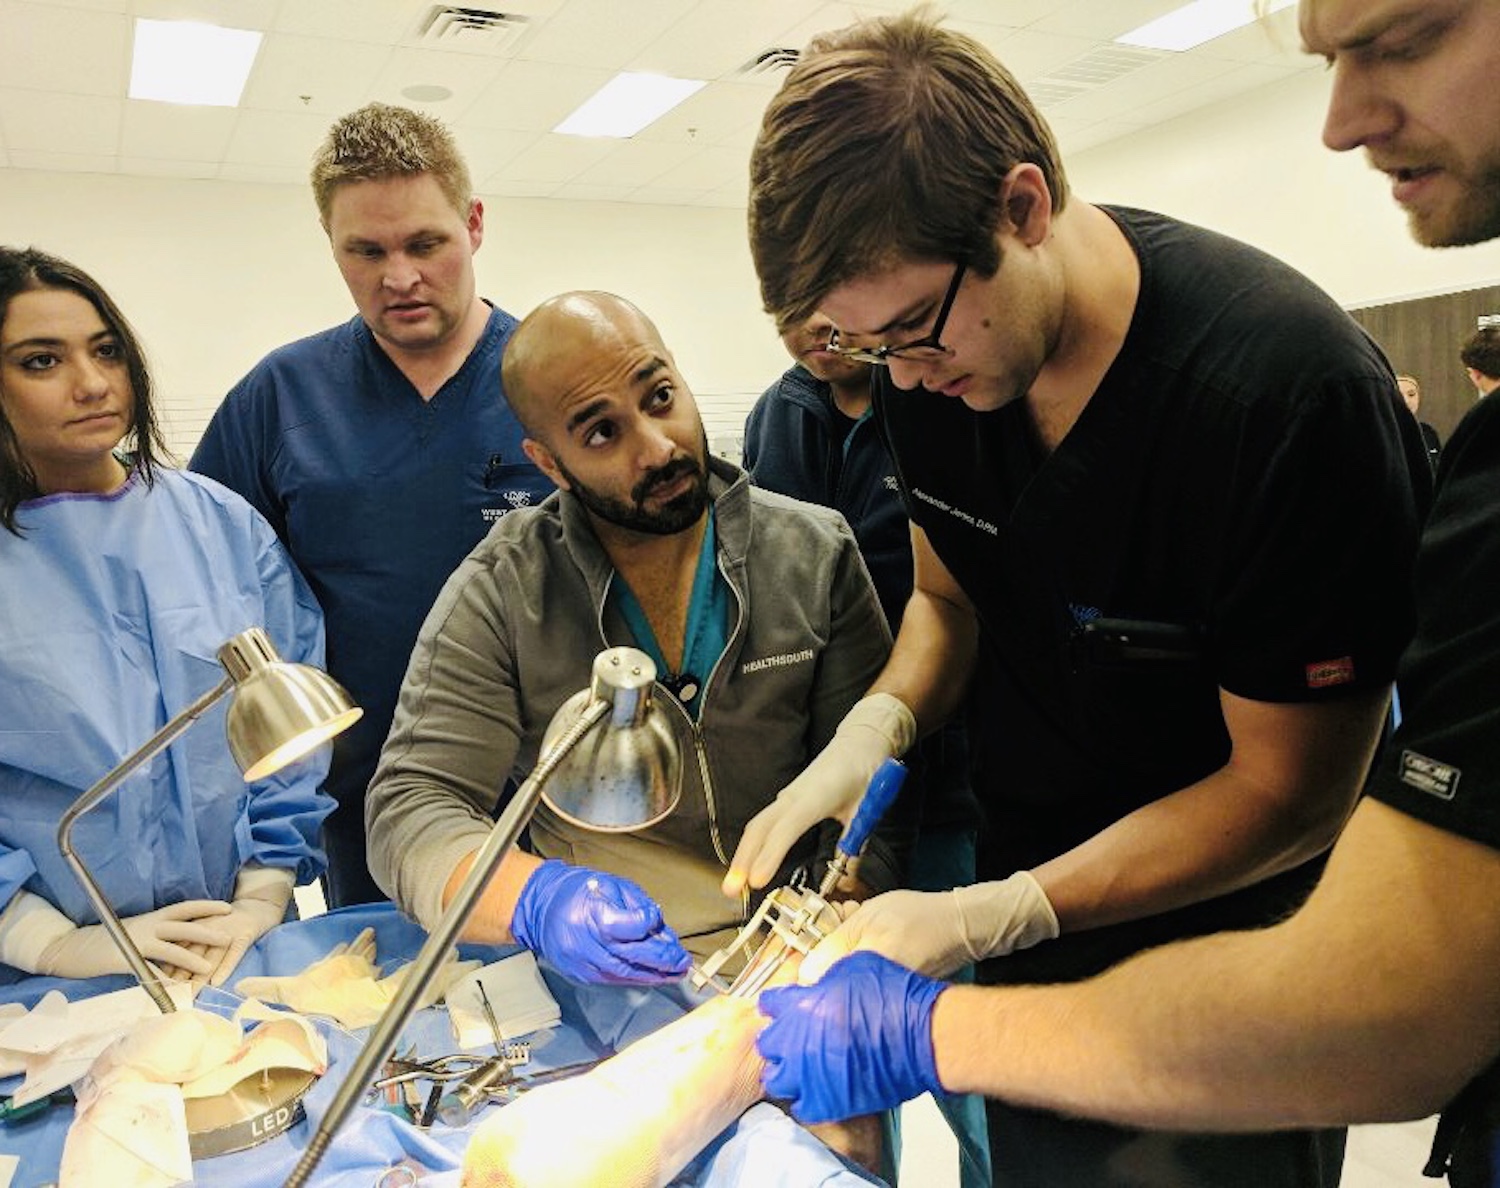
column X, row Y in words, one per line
column 38, row 938
column 346, row 984
column 938, row 932
column 261, row 895
column 879, row 727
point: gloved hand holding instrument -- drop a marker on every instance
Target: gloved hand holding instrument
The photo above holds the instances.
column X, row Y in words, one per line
column 879, row 727
column 795, row 918
column 592, row 926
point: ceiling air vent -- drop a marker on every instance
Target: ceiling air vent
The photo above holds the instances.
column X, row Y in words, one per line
column 1103, row 65
column 1047, row 94
column 779, row 58
column 468, row 30
column 1093, row 70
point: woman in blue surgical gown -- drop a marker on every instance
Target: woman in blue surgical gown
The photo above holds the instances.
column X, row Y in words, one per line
column 120, row 577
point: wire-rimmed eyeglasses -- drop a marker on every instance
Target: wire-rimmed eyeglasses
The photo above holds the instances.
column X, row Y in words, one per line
column 926, row 347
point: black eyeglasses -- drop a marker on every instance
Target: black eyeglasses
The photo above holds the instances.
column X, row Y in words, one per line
column 926, row 347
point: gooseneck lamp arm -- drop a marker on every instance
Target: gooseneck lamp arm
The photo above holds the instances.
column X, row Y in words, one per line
column 280, row 711
column 147, row 975
column 628, row 704
column 504, row 834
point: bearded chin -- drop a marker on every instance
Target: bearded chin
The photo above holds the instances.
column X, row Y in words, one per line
column 681, row 513
column 1477, row 220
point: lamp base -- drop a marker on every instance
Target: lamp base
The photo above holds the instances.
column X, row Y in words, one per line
column 256, row 1110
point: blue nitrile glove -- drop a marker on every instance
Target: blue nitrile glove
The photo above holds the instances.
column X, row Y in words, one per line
column 596, row 927
column 857, row 1042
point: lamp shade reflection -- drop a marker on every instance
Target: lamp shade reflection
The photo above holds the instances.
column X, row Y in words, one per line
column 280, row 711
column 626, row 775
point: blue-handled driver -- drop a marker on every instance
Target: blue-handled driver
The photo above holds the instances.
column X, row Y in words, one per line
column 878, row 797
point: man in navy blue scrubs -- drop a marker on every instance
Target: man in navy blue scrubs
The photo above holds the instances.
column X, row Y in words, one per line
column 383, row 449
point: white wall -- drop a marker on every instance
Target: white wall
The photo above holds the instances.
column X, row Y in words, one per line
column 1254, row 167
column 214, row 274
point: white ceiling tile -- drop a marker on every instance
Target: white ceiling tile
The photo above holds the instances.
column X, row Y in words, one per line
column 602, row 33
column 63, row 162
column 121, row 6
column 1018, row 13
column 1103, row 22
column 534, row 96
column 50, row 48
column 707, row 169
column 635, row 163
column 502, row 188
column 558, row 159
column 1274, row 40
column 719, row 36
column 232, row 14
column 62, row 100
column 383, row 22
column 489, row 150
column 823, row 18
column 176, row 131
column 662, row 196
column 718, row 112
column 283, row 175
column 335, row 76
column 731, row 197
column 35, row 121
column 1096, row 133
column 284, row 139
column 157, row 167
column 1169, row 75
column 574, row 192
column 1029, row 55
column 1229, row 84
column 466, row 75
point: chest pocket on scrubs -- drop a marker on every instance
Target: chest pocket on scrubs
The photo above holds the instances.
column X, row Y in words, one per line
column 502, row 483
column 1147, row 699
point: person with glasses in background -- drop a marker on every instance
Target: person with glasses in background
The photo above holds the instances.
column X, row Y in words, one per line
column 1165, row 501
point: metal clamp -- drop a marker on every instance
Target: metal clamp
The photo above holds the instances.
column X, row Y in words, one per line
column 790, row 921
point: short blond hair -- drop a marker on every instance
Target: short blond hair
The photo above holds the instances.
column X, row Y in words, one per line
column 380, row 141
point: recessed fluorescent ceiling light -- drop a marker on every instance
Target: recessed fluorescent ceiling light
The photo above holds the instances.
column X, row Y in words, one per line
column 627, row 103
column 190, row 62
column 1193, row 24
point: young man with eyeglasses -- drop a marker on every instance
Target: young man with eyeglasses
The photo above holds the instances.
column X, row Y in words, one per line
column 812, row 435
column 1164, row 501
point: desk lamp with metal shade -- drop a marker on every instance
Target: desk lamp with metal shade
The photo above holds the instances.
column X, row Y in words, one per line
column 278, row 713
column 628, row 777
